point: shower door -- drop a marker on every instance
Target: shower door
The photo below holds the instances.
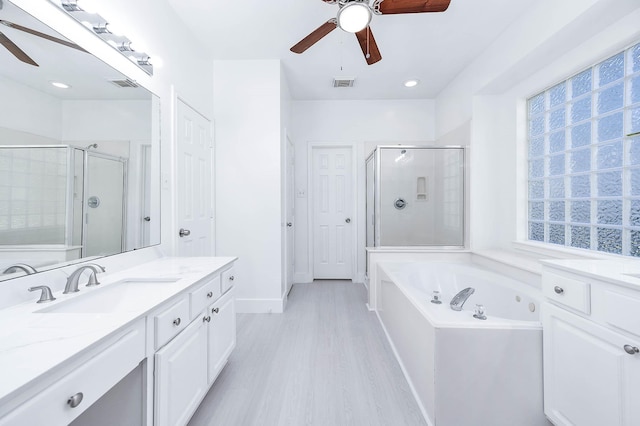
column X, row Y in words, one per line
column 104, row 205
column 420, row 197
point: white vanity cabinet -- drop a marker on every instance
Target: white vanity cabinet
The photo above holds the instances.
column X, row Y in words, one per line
column 181, row 375
column 221, row 334
column 187, row 366
column 72, row 391
column 591, row 360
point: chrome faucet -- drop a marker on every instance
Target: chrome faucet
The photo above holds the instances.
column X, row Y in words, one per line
column 72, row 281
column 459, row 299
column 22, row 266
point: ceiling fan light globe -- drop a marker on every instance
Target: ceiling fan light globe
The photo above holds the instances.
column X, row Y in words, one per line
column 354, row 17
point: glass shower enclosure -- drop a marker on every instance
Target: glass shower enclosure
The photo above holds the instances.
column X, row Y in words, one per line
column 415, row 197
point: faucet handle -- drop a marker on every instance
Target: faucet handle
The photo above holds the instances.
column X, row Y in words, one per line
column 46, row 295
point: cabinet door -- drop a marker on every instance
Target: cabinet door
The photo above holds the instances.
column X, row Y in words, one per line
column 589, row 378
column 181, row 375
column 222, row 334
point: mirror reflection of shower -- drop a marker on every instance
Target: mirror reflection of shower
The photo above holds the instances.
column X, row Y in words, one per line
column 415, row 196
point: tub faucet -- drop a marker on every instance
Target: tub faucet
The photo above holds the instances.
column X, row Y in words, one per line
column 459, row 299
column 72, row 281
column 22, row 266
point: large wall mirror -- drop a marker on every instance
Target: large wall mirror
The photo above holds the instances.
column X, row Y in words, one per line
column 79, row 166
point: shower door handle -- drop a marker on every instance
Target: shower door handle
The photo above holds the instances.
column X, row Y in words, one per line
column 184, row 232
column 348, row 220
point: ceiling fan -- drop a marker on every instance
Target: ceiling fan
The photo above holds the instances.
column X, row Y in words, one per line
column 354, row 16
column 19, row 53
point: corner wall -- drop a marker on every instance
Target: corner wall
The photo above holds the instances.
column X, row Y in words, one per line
column 361, row 125
column 247, row 102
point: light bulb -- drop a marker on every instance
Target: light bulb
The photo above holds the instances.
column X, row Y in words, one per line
column 354, row 17
column 411, row 83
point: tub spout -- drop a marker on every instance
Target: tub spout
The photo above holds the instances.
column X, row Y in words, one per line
column 458, row 300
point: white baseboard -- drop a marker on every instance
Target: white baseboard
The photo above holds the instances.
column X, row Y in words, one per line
column 300, row 278
column 260, row 306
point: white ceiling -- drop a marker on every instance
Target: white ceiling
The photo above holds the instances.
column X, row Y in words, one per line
column 432, row 47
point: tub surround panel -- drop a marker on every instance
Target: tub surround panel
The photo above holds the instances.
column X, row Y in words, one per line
column 463, row 370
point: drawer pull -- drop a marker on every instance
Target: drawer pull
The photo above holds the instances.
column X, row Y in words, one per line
column 207, row 319
column 75, row 400
column 210, row 294
column 176, row 322
column 215, row 310
column 631, row 350
column 558, row 290
column 231, row 278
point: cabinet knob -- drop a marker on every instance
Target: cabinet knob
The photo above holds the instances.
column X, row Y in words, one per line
column 75, row 400
column 215, row 310
column 631, row 350
column 206, row 319
column 231, row 278
column 558, row 290
column 210, row 294
column 176, row 322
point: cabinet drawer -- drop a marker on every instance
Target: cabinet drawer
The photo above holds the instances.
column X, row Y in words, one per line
column 228, row 279
column 567, row 291
column 92, row 379
column 171, row 321
column 203, row 295
column 622, row 311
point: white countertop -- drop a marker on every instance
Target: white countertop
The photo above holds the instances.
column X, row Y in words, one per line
column 613, row 271
column 32, row 343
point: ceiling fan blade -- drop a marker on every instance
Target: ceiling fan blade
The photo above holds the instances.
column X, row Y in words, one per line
column 16, row 51
column 42, row 35
column 369, row 46
column 389, row 7
column 315, row 36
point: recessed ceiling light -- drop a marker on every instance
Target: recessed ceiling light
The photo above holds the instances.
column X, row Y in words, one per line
column 411, row 83
column 60, row 85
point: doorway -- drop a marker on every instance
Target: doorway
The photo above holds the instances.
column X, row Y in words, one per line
column 332, row 224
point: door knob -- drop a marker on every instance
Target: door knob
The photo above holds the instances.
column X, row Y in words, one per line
column 184, row 232
column 289, row 224
column 348, row 220
column 631, row 350
column 147, row 219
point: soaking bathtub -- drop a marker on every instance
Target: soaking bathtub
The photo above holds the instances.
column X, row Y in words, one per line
column 464, row 371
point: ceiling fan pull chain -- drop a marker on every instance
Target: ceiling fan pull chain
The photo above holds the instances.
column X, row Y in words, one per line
column 368, row 54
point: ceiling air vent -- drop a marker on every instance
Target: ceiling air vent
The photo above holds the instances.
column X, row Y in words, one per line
column 343, row 81
column 125, row 83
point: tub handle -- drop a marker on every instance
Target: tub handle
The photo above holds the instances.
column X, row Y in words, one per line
column 558, row 290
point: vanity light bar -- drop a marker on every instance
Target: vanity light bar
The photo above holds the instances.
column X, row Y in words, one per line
column 101, row 27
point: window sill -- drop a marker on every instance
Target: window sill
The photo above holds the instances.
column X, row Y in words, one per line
column 544, row 250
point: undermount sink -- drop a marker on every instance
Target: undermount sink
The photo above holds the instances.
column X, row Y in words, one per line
column 121, row 296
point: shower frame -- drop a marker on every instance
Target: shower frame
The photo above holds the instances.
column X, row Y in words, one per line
column 375, row 157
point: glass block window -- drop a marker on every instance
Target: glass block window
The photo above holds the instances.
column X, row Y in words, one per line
column 584, row 159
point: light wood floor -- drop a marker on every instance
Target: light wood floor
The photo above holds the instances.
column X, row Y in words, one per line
column 325, row 361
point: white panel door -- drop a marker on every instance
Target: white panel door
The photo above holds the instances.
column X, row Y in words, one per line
column 289, row 216
column 194, row 183
column 332, row 218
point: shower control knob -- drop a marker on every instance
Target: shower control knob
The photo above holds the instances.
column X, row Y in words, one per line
column 631, row 350
column 348, row 220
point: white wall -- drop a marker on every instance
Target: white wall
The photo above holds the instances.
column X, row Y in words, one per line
column 362, row 125
column 247, row 104
column 30, row 111
column 550, row 43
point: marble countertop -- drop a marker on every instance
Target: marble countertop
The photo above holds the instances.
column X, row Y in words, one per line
column 33, row 343
column 619, row 272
